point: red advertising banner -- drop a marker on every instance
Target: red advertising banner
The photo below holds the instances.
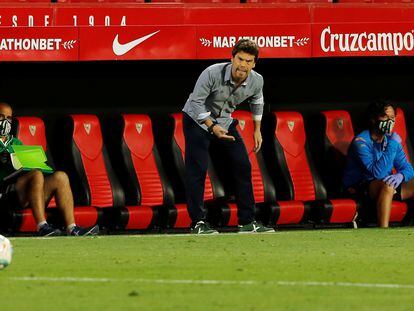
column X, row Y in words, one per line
column 248, row 13
column 179, row 14
column 137, row 42
column 55, row 32
column 118, row 16
column 38, row 44
column 274, row 41
column 363, row 39
column 26, row 16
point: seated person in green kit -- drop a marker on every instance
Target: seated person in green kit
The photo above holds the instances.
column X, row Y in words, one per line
column 33, row 189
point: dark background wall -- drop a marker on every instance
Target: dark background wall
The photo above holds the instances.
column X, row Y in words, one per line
column 58, row 88
column 52, row 90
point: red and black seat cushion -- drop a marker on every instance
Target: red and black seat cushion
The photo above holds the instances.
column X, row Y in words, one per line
column 401, row 129
column 337, row 136
column 148, row 182
column 92, row 163
column 299, row 175
column 31, row 131
column 263, row 188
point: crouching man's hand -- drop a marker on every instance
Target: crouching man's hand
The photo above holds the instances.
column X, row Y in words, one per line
column 221, row 133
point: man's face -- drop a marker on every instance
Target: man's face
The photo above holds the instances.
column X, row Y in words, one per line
column 243, row 63
column 6, row 113
column 389, row 114
column 386, row 121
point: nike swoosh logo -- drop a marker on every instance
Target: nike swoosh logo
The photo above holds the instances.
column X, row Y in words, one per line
column 121, row 49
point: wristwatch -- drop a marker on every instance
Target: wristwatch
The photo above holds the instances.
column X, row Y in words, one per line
column 210, row 128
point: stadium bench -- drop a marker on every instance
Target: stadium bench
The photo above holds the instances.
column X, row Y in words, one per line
column 295, row 176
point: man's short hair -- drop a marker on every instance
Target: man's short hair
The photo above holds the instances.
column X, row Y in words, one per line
column 377, row 108
column 5, row 104
column 248, row 46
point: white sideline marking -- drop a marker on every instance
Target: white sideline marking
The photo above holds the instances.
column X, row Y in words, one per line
column 172, row 235
column 214, row 282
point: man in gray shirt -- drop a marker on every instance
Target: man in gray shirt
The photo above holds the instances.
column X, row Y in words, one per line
column 207, row 118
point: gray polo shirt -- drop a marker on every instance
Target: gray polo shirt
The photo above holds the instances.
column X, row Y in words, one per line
column 215, row 96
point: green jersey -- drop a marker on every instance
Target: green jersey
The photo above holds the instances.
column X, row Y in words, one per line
column 6, row 147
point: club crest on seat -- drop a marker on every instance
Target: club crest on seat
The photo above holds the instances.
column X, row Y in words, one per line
column 291, row 125
column 87, row 127
column 340, row 123
column 138, row 126
column 32, row 129
column 242, row 124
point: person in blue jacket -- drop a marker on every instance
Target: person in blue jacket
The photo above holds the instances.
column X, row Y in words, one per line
column 372, row 156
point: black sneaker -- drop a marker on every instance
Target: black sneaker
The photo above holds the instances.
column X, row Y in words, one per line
column 255, row 227
column 203, row 228
column 79, row 231
column 48, row 230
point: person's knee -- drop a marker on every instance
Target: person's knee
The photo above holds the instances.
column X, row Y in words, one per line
column 387, row 190
column 36, row 178
column 60, row 177
column 60, row 180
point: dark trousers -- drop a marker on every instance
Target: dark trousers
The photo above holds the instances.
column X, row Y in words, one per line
column 197, row 143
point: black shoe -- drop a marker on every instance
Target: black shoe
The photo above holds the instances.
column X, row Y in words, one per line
column 203, row 228
column 48, row 230
column 79, row 231
column 255, row 227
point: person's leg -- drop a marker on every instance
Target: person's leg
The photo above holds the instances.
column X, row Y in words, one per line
column 197, row 142
column 382, row 195
column 242, row 175
column 407, row 190
column 30, row 193
column 57, row 184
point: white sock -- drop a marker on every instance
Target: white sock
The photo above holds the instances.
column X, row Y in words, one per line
column 41, row 224
column 70, row 227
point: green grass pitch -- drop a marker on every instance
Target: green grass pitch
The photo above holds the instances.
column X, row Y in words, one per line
column 364, row 269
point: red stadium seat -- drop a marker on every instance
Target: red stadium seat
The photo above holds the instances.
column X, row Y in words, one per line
column 338, row 135
column 401, row 129
column 96, row 181
column 296, row 175
column 31, row 131
column 144, row 176
column 263, row 188
column 218, row 213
